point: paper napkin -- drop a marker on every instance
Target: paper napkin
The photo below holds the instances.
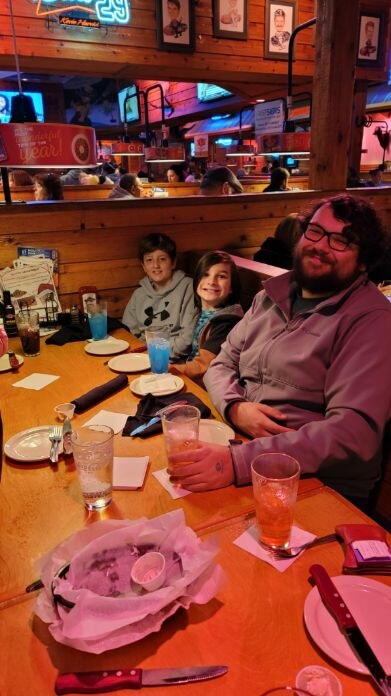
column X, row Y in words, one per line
column 164, row 479
column 248, row 541
column 129, row 472
column 110, row 418
column 158, row 383
column 36, row 381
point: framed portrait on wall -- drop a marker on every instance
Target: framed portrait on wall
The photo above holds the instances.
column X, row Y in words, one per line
column 280, row 20
column 230, row 19
column 175, row 25
column 370, row 40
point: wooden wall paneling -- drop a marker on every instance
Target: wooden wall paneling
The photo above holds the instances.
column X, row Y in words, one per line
column 97, row 241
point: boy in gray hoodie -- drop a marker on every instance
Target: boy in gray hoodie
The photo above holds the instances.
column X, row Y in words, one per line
column 165, row 296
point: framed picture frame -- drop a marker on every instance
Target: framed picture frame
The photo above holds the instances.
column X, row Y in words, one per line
column 175, row 22
column 230, row 19
column 280, row 20
column 371, row 39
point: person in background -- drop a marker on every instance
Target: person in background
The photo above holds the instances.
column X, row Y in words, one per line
column 19, row 177
column 92, row 177
column 165, row 296
column 145, row 174
column 71, row 177
column 129, row 186
column 278, row 250
column 306, row 371
column 48, row 187
column 220, row 181
column 278, row 180
column 111, row 171
column 217, row 289
column 175, row 174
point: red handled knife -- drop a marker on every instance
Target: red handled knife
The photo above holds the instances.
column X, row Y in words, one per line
column 111, row 680
column 336, row 606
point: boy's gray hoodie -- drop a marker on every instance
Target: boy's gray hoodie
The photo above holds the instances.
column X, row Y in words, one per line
column 172, row 305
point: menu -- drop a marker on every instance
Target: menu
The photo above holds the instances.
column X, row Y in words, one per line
column 32, row 286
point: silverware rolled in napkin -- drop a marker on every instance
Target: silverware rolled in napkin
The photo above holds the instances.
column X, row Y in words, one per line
column 97, row 682
column 156, row 417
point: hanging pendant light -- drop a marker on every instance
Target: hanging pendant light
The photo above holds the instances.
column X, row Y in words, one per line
column 33, row 145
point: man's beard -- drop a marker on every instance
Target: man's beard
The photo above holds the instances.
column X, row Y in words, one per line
column 328, row 283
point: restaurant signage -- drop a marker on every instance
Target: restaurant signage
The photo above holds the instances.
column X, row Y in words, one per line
column 201, row 146
column 284, row 142
column 46, row 145
column 173, row 153
column 133, row 148
column 106, row 11
column 269, row 117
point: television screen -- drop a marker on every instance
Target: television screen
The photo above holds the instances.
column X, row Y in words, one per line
column 6, row 101
column 206, row 93
column 129, row 112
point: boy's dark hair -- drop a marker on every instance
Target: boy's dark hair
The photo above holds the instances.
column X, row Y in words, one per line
column 278, row 176
column 216, row 176
column 153, row 242
column 127, row 181
column 211, row 258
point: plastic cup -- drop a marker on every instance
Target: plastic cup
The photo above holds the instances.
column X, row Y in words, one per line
column 65, row 411
column 158, row 344
column 181, row 430
column 97, row 319
column 28, row 330
column 275, row 480
column 149, row 571
column 93, row 454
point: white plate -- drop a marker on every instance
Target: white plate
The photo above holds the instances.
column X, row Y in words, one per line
column 140, row 385
column 31, row 445
column 370, row 604
column 131, row 362
column 5, row 363
column 106, row 347
column 215, row 432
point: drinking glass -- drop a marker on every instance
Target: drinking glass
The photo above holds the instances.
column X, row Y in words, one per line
column 28, row 329
column 97, row 319
column 180, row 429
column 93, row 454
column 158, row 344
column 275, row 480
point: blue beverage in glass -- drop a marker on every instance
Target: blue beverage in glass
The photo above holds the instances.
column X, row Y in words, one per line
column 98, row 325
column 159, row 355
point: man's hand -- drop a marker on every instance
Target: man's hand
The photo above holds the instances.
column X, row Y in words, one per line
column 256, row 419
column 209, row 467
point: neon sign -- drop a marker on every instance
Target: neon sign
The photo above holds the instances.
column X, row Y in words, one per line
column 107, row 11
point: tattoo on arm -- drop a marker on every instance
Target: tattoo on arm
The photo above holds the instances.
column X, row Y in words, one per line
column 219, row 466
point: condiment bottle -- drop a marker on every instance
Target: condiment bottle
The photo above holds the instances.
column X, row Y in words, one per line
column 9, row 315
column 66, row 436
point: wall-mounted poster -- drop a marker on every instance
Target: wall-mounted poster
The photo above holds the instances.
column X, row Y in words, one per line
column 175, row 25
column 370, row 40
column 280, row 20
column 230, row 19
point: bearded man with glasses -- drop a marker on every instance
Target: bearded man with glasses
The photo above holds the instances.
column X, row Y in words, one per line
column 307, row 370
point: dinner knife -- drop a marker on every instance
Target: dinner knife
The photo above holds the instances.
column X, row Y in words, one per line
column 112, row 680
column 156, row 418
column 337, row 607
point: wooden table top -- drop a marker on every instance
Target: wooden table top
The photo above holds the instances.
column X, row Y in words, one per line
column 255, row 622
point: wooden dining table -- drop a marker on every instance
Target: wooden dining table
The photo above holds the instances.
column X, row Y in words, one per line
column 254, row 624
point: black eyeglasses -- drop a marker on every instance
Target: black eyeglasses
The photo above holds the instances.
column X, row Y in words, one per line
column 336, row 241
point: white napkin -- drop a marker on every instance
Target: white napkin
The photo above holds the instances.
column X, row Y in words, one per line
column 158, row 383
column 164, row 479
column 129, row 472
column 106, row 339
column 36, row 381
column 248, row 541
column 110, row 418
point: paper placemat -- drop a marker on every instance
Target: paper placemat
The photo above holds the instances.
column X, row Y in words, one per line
column 129, row 472
column 36, row 381
column 164, row 479
column 248, row 541
column 110, row 418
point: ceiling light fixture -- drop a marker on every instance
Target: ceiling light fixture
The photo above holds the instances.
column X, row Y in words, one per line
column 31, row 145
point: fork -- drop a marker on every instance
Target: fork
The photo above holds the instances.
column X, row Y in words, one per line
column 295, row 550
column 55, row 437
